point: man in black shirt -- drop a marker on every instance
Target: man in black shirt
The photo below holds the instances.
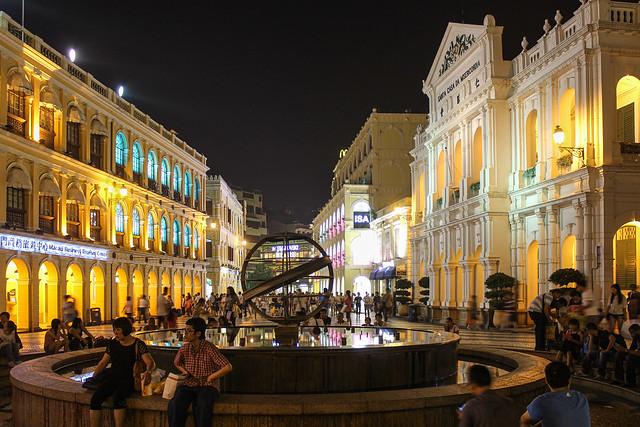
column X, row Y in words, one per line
column 616, row 341
column 487, row 408
column 598, row 340
column 631, row 356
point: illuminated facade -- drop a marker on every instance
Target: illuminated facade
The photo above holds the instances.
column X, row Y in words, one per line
column 494, row 191
column 99, row 201
column 371, row 174
column 226, row 244
column 256, row 217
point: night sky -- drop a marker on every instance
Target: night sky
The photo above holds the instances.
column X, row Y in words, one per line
column 270, row 91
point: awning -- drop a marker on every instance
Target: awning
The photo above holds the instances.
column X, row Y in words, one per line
column 389, row 273
column 97, row 128
column 372, row 275
column 17, row 178
column 378, row 274
column 74, row 193
column 19, row 83
column 48, row 187
column 50, row 100
column 96, row 202
column 74, row 115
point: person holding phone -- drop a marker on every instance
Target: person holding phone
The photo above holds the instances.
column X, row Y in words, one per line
column 487, row 408
column 632, row 358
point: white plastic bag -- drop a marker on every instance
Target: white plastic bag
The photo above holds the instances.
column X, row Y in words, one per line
column 624, row 330
column 172, row 383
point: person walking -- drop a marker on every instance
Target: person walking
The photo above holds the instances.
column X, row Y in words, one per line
column 358, row 303
column 204, row 365
column 69, row 312
column 122, row 352
column 143, row 309
column 561, row 406
column 387, row 302
column 540, row 313
column 230, row 302
column 487, row 408
column 163, row 308
column 128, row 309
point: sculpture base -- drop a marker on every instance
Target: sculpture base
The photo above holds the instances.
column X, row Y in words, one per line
column 287, row 336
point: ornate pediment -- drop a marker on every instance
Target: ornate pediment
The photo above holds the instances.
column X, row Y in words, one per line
column 457, row 48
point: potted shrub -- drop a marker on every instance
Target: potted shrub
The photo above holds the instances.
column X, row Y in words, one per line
column 403, row 296
column 424, row 299
column 498, row 286
column 564, row 276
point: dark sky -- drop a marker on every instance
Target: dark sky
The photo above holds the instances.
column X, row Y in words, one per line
column 270, row 91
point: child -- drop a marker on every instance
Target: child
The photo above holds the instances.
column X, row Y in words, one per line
column 449, row 326
column 571, row 341
column 367, row 321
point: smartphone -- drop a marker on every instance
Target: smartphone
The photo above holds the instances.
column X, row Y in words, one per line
column 460, row 408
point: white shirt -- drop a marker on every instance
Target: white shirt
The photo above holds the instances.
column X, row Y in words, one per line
column 587, row 298
column 163, row 305
column 618, row 308
column 143, row 303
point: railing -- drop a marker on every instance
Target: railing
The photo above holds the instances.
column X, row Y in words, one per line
column 15, row 219
column 187, row 200
column 73, row 230
column 120, row 239
column 152, row 185
column 119, row 171
column 166, row 191
column 630, row 152
column 81, row 76
column 151, row 243
column 16, row 126
column 94, row 233
column 47, row 138
column 177, row 197
column 136, row 241
column 46, row 225
column 529, row 175
column 165, row 247
column 137, row 178
column 176, row 250
column 96, row 160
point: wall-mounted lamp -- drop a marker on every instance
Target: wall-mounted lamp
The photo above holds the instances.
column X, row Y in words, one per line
column 214, row 225
column 123, row 191
column 558, row 137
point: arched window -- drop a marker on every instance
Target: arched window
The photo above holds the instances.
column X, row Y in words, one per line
column 176, row 178
column 119, row 218
column 135, row 222
column 164, row 230
column 187, row 184
column 196, row 236
column 137, row 158
column 196, row 193
column 151, row 165
column 150, row 225
column 121, row 149
column 165, row 173
column 176, row 232
column 187, row 236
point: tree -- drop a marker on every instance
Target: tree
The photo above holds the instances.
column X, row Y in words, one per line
column 424, row 284
column 403, row 296
column 564, row 276
column 499, row 285
column 262, row 271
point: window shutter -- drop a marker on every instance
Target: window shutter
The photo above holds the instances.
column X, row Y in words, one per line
column 626, row 128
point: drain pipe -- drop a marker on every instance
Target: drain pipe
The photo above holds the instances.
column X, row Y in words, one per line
column 597, row 267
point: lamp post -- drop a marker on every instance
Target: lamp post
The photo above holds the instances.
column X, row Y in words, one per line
column 558, row 137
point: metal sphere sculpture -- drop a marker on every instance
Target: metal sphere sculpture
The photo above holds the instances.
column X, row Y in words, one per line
column 277, row 271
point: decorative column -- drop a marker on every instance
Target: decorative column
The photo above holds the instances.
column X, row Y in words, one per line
column 554, row 249
column 580, row 238
column 588, row 247
column 542, row 253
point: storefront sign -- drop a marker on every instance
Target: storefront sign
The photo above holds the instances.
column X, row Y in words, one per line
column 361, row 219
column 288, row 248
column 29, row 244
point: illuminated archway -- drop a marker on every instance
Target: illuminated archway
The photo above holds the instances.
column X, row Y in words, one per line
column 47, row 294
column 569, row 252
column 361, row 284
column 457, row 278
column 138, row 288
column 567, row 117
column 17, row 275
column 187, row 285
column 478, row 277
column 532, row 271
column 477, row 154
column 531, row 140
column 122, row 291
column 440, row 175
column 457, row 164
column 627, row 103
column 198, row 286
column 176, row 294
column 153, row 293
column 96, row 290
column 75, row 287
column 421, row 193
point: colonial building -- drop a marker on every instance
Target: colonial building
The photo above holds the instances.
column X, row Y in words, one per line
column 530, row 165
column 371, row 174
column 256, row 217
column 226, row 242
column 99, row 201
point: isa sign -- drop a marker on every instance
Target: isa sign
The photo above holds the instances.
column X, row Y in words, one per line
column 361, row 219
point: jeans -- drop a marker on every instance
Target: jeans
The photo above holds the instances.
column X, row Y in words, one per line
column 605, row 356
column 202, row 398
column 10, row 351
column 540, row 320
column 633, row 362
column 589, row 358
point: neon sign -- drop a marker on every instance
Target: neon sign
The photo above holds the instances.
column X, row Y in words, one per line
column 29, row 244
column 361, row 219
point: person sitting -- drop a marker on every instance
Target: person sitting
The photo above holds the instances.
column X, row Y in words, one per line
column 597, row 340
column 615, row 342
column 8, row 345
column 151, row 324
column 379, row 322
column 223, row 322
column 631, row 356
column 367, row 321
column 4, row 318
column 449, row 326
column 561, row 406
column 76, row 341
column 55, row 338
column 487, row 408
column 172, row 319
column 341, row 321
column 571, row 342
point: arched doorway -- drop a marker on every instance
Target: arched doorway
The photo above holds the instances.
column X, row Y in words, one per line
column 625, row 250
column 74, row 286
column 187, row 285
column 569, row 252
column 96, row 290
column 198, row 287
column 138, row 289
column 361, row 284
column 153, row 293
column 17, row 275
column 176, row 294
column 49, row 305
column 627, row 101
column 122, row 291
column 532, row 272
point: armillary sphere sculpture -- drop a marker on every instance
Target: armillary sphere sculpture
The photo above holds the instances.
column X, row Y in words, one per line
column 283, row 274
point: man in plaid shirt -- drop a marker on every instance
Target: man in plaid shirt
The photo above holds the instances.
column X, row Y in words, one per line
column 204, row 365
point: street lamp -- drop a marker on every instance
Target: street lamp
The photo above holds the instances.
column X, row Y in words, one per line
column 72, row 55
column 123, row 191
column 558, row 137
column 120, row 91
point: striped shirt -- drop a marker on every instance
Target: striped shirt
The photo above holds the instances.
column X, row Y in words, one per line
column 536, row 304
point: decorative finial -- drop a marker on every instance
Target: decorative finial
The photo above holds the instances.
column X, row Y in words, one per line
column 546, row 27
column 524, row 44
column 375, row 110
column 582, row 2
column 558, row 17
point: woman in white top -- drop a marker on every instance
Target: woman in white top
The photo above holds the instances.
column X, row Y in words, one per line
column 8, row 346
column 616, row 311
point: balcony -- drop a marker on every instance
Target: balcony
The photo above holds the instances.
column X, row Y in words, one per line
column 120, row 239
column 630, row 152
column 151, row 244
column 137, row 178
column 166, row 191
column 177, row 197
column 73, row 150
column 73, row 230
column 94, row 233
column 136, row 241
column 46, row 224
column 15, row 219
column 176, row 250
column 119, row 171
column 165, row 247
column 15, row 125
column 47, row 138
column 152, row 185
column 197, row 204
column 187, row 200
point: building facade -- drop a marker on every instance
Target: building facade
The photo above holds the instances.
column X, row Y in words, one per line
column 530, row 165
column 226, row 242
column 371, row 174
column 99, row 201
column 256, row 217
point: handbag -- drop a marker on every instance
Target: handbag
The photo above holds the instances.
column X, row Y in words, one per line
column 550, row 332
column 139, row 367
column 96, row 381
column 171, row 384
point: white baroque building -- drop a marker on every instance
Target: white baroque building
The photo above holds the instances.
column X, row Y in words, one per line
column 492, row 189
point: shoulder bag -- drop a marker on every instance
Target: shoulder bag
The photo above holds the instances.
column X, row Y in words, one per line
column 139, row 367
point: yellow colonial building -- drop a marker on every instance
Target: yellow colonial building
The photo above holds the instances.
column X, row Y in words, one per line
column 531, row 164
column 99, row 201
